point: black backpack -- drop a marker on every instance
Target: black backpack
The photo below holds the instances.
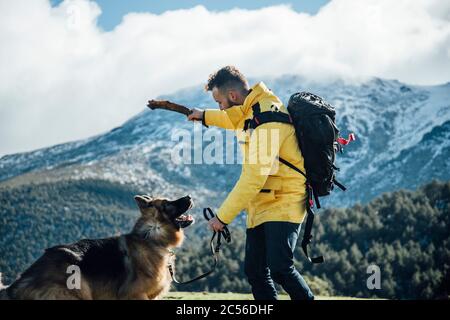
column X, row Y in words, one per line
column 318, row 138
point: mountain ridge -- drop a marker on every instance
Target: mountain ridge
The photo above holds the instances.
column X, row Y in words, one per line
column 402, row 141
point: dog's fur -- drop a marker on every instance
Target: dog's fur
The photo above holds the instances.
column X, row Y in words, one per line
column 130, row 266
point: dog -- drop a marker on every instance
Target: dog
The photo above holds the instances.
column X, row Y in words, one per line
column 129, row 266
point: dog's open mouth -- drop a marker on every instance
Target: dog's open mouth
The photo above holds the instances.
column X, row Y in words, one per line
column 183, row 221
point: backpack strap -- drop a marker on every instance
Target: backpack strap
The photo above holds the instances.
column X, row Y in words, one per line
column 307, row 237
column 290, row 165
column 265, row 117
column 340, row 185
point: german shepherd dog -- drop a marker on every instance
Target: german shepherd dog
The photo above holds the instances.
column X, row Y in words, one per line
column 129, row 266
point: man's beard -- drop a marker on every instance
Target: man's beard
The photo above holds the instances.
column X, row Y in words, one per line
column 231, row 103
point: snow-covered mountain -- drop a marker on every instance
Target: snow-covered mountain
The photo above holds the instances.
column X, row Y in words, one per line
column 403, row 140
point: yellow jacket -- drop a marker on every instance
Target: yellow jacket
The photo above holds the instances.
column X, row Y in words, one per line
column 267, row 189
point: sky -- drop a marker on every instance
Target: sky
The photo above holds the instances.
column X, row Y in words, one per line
column 76, row 68
column 114, row 10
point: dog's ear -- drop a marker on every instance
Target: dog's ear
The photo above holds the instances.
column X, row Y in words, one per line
column 147, row 197
column 142, row 201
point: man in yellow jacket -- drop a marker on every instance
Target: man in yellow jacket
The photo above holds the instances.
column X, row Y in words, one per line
column 273, row 194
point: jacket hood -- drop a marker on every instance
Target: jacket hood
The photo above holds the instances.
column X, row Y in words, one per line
column 258, row 92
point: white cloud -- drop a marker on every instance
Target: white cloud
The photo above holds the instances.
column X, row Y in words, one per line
column 62, row 78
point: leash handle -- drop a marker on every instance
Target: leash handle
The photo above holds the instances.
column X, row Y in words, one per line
column 225, row 233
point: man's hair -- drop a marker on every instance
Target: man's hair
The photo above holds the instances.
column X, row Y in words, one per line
column 228, row 77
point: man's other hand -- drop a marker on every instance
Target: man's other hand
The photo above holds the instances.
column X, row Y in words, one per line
column 215, row 225
column 196, row 115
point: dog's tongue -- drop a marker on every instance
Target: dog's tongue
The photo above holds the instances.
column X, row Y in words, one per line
column 184, row 221
column 185, row 217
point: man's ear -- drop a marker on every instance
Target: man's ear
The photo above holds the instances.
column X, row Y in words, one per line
column 232, row 95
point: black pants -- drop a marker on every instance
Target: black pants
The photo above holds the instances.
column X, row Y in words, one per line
column 269, row 257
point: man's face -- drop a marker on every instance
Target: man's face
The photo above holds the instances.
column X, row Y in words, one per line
column 225, row 101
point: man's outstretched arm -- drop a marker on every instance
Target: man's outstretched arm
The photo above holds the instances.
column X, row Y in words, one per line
column 212, row 117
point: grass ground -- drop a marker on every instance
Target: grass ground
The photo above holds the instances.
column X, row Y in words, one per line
column 232, row 296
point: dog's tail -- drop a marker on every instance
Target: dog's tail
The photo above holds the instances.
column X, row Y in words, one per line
column 3, row 292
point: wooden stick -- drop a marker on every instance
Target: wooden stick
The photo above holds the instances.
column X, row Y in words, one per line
column 167, row 105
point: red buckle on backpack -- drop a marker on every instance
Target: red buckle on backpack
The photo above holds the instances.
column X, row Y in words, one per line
column 344, row 142
column 310, row 193
column 256, row 120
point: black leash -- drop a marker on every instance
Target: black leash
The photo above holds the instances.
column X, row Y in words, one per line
column 225, row 233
